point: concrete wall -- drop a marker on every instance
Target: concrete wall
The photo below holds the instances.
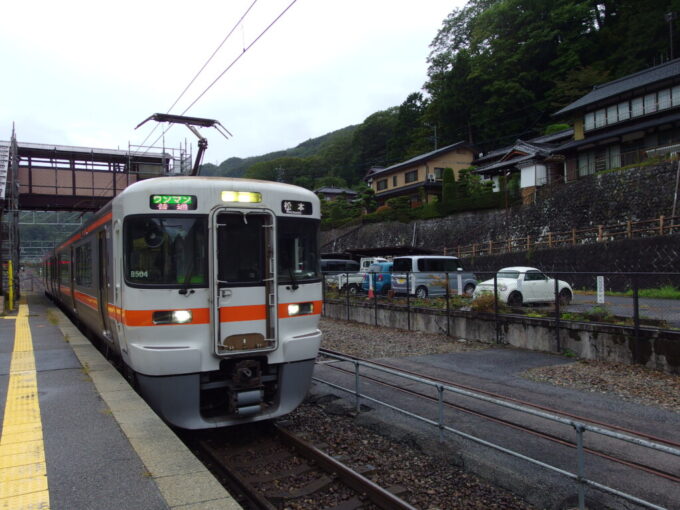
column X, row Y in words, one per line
column 653, row 349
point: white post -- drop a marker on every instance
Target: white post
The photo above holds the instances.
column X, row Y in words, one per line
column 600, row 290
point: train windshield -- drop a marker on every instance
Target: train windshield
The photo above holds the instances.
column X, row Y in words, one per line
column 298, row 250
column 166, row 250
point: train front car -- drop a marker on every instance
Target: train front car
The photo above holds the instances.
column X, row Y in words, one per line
column 220, row 296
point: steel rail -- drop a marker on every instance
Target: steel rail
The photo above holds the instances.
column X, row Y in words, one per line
column 379, row 496
column 523, row 428
column 509, row 405
column 568, row 474
column 518, row 401
column 234, row 480
column 578, row 426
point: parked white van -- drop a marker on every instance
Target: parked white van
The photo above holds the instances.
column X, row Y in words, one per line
column 425, row 275
column 366, row 262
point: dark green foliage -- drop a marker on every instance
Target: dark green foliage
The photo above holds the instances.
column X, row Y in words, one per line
column 498, row 70
column 367, row 198
column 555, row 128
column 449, row 192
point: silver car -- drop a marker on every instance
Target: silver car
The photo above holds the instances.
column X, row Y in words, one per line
column 426, row 275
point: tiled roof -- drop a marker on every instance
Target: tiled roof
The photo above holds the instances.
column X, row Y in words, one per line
column 332, row 190
column 628, row 83
column 496, row 165
column 420, row 158
column 544, row 141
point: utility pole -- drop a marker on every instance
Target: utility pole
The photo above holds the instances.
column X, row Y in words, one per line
column 670, row 16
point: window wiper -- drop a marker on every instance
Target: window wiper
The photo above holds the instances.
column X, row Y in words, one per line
column 187, row 279
column 293, row 281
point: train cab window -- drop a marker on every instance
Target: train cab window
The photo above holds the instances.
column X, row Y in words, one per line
column 240, row 248
column 166, row 250
column 298, row 250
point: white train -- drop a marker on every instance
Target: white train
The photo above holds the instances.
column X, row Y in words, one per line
column 207, row 288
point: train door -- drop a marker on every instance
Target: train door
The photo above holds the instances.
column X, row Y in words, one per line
column 104, row 283
column 244, row 293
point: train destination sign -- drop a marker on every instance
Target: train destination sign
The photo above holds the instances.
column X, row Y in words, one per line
column 173, row 202
column 296, row 207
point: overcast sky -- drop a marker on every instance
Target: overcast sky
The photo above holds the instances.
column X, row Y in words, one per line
column 86, row 73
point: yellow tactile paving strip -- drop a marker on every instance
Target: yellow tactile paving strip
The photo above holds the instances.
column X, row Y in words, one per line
column 23, row 473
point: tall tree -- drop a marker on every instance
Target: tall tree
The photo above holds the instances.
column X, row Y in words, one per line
column 370, row 141
column 411, row 134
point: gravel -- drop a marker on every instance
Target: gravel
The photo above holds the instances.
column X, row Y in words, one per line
column 629, row 382
column 434, row 484
column 373, row 342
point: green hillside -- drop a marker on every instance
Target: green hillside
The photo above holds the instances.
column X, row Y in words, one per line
column 498, row 70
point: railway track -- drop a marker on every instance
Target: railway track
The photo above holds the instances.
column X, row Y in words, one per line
column 269, row 468
column 604, row 453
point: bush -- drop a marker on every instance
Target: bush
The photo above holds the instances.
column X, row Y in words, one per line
column 485, row 303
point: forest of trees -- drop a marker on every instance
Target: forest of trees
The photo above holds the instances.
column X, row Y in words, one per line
column 498, row 70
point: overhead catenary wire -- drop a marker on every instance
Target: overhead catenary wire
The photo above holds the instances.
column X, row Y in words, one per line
column 219, row 47
column 233, row 62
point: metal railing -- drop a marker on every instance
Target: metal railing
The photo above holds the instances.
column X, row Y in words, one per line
column 663, row 225
column 440, row 423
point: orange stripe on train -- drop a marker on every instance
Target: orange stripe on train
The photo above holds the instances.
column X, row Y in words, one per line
column 143, row 318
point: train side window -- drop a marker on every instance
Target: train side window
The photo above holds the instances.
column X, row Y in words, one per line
column 64, row 269
column 83, row 265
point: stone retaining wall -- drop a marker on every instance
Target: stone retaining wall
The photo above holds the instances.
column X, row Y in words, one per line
column 633, row 194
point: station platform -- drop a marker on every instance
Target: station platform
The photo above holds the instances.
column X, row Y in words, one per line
column 74, row 433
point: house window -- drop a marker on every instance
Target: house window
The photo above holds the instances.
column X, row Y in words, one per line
column 623, row 111
column 586, row 164
column 636, row 107
column 590, row 120
column 382, row 184
column 650, row 103
column 614, row 156
column 664, row 99
column 675, row 95
column 394, row 181
column 411, row 176
column 612, row 117
column 600, row 118
column 597, row 160
column 438, row 173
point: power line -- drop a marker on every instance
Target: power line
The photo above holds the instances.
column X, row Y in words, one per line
column 204, row 65
column 230, row 65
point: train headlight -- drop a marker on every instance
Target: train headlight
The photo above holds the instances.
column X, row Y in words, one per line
column 300, row 309
column 172, row 317
column 241, row 196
